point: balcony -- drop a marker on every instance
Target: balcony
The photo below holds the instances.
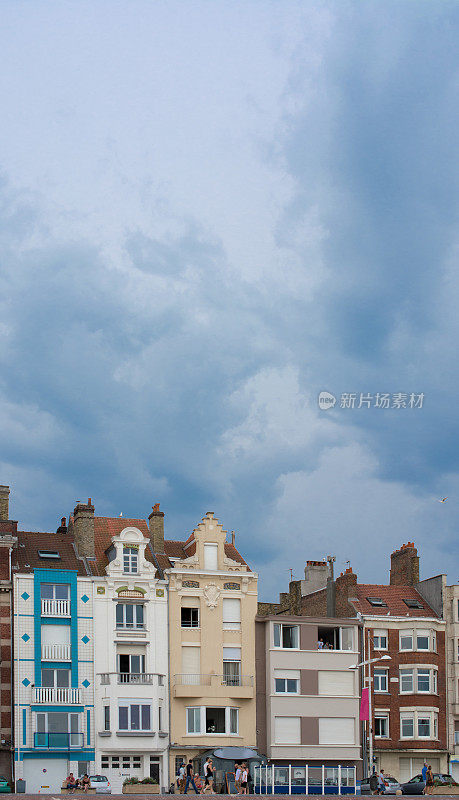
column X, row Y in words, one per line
column 58, row 741
column 135, row 678
column 55, row 652
column 56, row 696
column 55, row 608
column 210, row 685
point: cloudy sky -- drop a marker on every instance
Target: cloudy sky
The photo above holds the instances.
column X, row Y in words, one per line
column 211, row 212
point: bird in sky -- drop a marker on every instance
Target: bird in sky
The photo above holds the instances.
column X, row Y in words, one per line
column 443, row 500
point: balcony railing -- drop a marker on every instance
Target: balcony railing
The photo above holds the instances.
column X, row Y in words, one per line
column 55, row 652
column 58, row 741
column 55, row 608
column 137, row 678
column 56, row 696
column 205, row 680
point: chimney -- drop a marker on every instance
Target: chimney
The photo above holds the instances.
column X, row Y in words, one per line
column 404, row 566
column 63, row 526
column 156, row 526
column 4, row 502
column 83, row 528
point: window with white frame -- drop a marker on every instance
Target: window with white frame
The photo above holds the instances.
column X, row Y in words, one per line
column 55, row 678
column 286, row 636
column 212, row 720
column 232, row 666
column 287, row 681
column 421, row 639
column 134, row 715
column 193, row 720
column 57, row 729
column 381, row 724
column 130, row 616
column 419, row 724
column 380, row 639
column 130, row 559
column 380, row 681
column 406, row 640
column 55, row 591
column 211, row 557
column 106, row 717
column 231, row 613
column 418, row 680
column 190, row 617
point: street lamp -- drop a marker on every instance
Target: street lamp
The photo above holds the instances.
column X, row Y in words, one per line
column 368, row 662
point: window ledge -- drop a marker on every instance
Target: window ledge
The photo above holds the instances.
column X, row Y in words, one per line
column 105, row 733
column 135, row 733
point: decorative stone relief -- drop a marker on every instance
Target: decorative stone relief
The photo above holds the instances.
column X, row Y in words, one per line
column 234, row 586
column 212, row 594
column 190, row 585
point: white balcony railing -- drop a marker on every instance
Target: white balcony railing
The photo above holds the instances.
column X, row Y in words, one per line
column 53, row 696
column 55, row 652
column 55, row 608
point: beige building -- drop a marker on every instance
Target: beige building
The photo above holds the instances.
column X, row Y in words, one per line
column 212, row 609
column 452, row 655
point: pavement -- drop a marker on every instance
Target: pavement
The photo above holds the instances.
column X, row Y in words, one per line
column 80, row 796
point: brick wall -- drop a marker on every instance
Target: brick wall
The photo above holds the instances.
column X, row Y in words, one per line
column 404, row 566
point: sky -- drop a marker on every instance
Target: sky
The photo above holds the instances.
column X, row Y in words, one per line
column 210, row 213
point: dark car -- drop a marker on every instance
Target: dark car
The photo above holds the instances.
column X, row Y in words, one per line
column 416, row 785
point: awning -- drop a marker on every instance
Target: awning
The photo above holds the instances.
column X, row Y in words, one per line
column 236, row 753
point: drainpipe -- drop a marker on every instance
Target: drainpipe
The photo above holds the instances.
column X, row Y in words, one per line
column 17, row 695
column 168, row 685
column 10, row 572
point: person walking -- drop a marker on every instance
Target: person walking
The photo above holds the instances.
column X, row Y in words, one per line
column 381, row 782
column 244, row 778
column 429, row 780
column 190, row 778
column 237, row 776
column 181, row 778
column 208, row 776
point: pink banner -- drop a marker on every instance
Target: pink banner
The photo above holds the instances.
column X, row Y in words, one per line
column 364, row 705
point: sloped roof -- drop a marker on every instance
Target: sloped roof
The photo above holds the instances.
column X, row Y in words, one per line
column 105, row 528
column 26, row 556
column 393, row 597
column 175, row 549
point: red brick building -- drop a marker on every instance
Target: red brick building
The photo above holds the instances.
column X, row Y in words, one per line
column 8, row 539
column 408, row 691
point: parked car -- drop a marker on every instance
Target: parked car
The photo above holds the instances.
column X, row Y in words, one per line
column 100, row 783
column 4, row 785
column 391, row 785
column 416, row 785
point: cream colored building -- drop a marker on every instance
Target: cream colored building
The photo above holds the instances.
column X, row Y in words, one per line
column 212, row 608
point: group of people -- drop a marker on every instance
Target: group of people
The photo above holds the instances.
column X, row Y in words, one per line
column 73, row 783
column 187, row 777
column 321, row 645
column 428, row 778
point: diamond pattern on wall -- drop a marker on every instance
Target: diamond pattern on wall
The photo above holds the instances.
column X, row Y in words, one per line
column 85, row 639
column 85, row 683
column 26, row 637
column 25, row 596
column 26, row 682
column 85, row 598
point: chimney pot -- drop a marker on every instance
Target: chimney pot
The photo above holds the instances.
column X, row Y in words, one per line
column 4, row 502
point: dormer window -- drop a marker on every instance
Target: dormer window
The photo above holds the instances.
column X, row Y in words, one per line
column 130, row 559
column 211, row 557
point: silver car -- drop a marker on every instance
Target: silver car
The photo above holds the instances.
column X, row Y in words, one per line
column 390, row 786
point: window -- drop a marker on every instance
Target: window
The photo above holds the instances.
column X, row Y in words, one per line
column 191, row 663
column 231, row 613
column 380, row 680
column 422, row 640
column 419, row 724
column 160, row 720
column 211, row 557
column 190, row 617
column 381, row 726
column 406, row 640
column 423, row 680
column 234, row 720
column 129, row 615
column 412, row 603
column 193, row 720
column 134, row 716
column 406, row 681
column 287, row 730
column 55, row 678
column 286, row 636
column 130, row 559
column 287, row 681
column 106, row 718
column 130, row 664
column 336, row 730
column 407, row 726
column 215, row 720
column 424, row 727
column 380, row 639
column 347, row 638
column 51, row 554
column 232, row 666
column 336, row 683
column 55, row 591
column 57, row 729
column 377, row 602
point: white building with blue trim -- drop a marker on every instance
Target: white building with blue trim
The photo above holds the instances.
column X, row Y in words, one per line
column 53, row 662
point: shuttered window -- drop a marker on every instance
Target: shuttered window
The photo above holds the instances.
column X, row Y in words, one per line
column 211, row 556
column 191, row 660
column 231, row 613
column 336, row 730
column 336, row 683
column 287, row 730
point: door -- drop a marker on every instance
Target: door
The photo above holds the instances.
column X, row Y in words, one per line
column 154, row 769
column 45, row 776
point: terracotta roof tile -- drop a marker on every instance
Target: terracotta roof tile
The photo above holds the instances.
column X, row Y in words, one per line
column 104, row 530
column 393, row 597
column 30, row 542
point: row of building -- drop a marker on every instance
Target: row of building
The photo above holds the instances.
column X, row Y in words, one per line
column 124, row 653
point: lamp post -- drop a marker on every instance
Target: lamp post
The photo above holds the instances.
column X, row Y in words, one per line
column 368, row 663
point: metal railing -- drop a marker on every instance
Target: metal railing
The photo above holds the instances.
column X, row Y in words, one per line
column 130, row 626
column 183, row 679
column 56, row 696
column 137, row 678
column 55, row 608
column 62, row 741
column 55, row 652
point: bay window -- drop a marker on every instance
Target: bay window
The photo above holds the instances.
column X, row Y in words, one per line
column 212, row 720
column 418, row 680
column 419, row 724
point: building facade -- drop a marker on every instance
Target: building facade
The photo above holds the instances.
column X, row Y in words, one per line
column 54, row 663
column 308, row 696
column 212, row 608
column 8, row 541
column 451, row 611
